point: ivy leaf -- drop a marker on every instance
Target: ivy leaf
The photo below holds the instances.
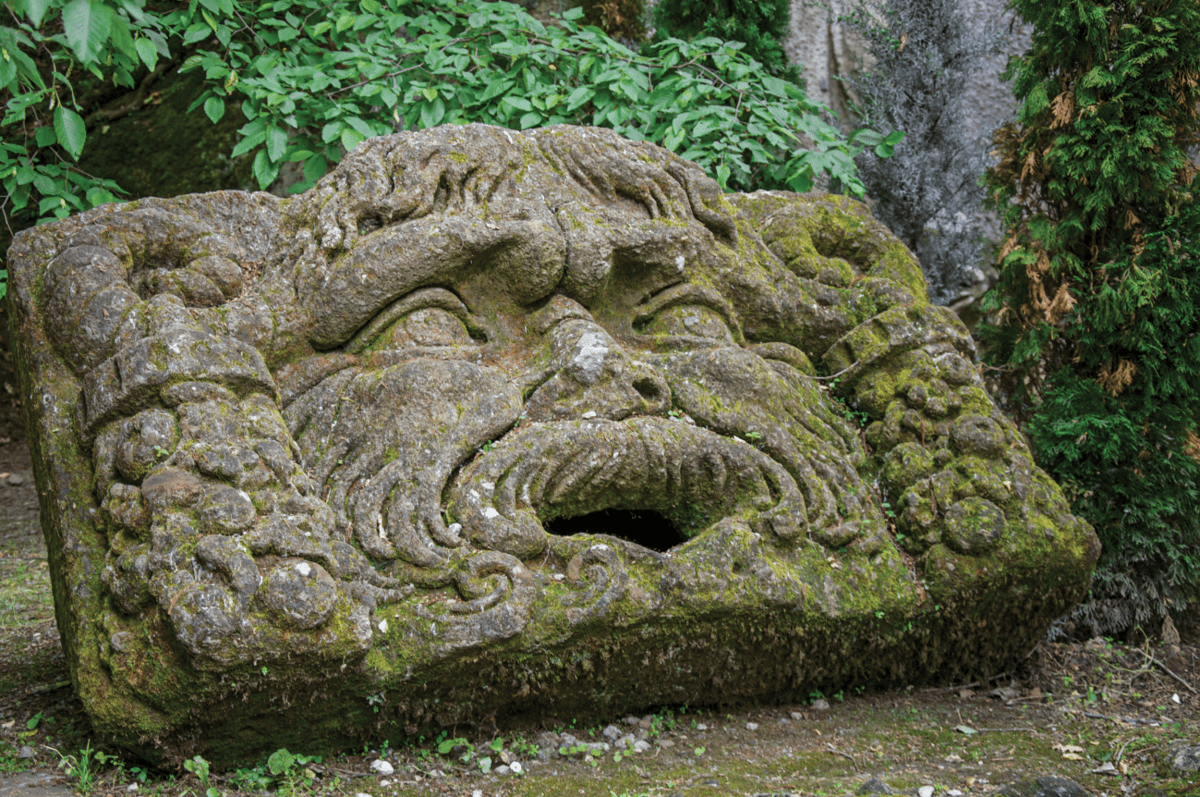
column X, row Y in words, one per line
column 351, row 138
column 147, row 51
column 264, row 170
column 35, row 10
column 214, row 108
column 86, row 24
column 70, row 131
column 276, row 142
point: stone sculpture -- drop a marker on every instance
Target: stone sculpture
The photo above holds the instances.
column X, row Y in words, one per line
column 491, row 426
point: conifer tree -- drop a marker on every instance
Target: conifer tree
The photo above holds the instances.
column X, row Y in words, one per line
column 1096, row 333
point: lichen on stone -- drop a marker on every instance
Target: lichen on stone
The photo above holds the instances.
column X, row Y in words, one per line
column 485, row 415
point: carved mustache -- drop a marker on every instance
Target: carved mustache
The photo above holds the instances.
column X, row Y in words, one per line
column 569, row 469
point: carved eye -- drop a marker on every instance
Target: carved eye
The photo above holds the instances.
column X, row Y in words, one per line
column 694, row 320
column 429, row 326
column 424, row 319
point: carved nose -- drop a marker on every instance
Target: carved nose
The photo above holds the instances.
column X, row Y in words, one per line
column 599, row 380
column 653, row 392
column 614, row 384
column 621, row 387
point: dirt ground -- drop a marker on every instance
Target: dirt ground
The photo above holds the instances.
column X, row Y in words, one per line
column 1108, row 716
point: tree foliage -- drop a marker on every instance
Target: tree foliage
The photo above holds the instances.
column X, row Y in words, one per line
column 316, row 77
column 621, row 19
column 922, row 54
column 367, row 71
column 762, row 25
column 1096, row 328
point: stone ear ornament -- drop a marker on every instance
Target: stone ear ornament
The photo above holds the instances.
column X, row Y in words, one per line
column 461, row 442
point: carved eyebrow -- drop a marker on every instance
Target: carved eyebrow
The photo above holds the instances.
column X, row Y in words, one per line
column 547, row 318
column 417, row 300
column 687, row 293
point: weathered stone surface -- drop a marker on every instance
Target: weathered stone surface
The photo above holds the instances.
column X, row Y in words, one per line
column 1046, row 786
column 492, row 425
column 1186, row 759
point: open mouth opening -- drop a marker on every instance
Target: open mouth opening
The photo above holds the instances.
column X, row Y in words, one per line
column 643, row 527
column 651, row 481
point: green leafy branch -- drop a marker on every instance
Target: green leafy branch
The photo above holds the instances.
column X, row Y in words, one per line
column 314, row 79
column 326, row 81
column 44, row 130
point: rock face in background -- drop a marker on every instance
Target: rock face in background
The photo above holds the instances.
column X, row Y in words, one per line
column 829, row 50
column 493, row 425
column 927, row 193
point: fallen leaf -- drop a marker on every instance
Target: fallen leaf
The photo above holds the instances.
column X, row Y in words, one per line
column 1067, row 748
column 969, row 731
column 1106, row 768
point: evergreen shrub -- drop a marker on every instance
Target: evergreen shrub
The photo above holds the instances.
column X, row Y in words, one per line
column 1095, row 333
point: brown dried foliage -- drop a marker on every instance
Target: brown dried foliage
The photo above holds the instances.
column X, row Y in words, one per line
column 1116, row 376
column 1191, row 446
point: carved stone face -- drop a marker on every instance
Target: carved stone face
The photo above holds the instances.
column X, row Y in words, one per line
column 486, row 413
column 530, row 360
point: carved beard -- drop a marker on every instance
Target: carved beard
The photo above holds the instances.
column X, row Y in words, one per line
column 381, row 445
column 384, row 446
